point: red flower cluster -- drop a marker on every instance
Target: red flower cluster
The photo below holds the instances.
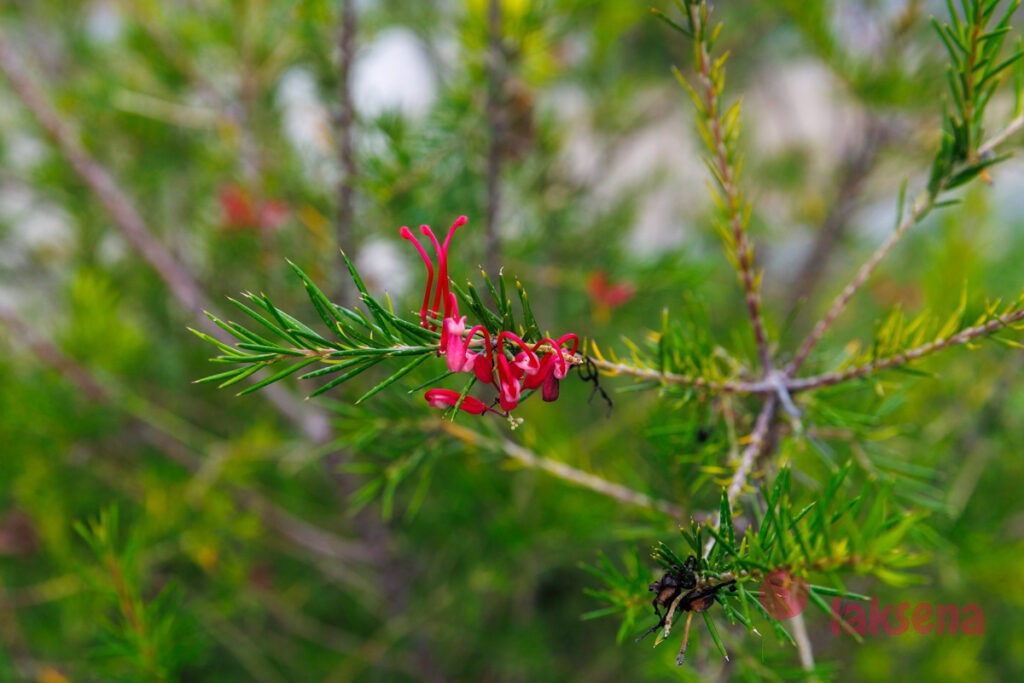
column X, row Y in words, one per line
column 509, row 364
column 241, row 211
column 605, row 293
column 605, row 296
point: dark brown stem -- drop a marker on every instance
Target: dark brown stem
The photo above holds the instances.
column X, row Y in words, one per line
column 393, row 570
column 344, row 131
column 496, row 68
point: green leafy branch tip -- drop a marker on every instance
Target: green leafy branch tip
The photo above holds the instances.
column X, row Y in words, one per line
column 838, row 529
column 505, row 349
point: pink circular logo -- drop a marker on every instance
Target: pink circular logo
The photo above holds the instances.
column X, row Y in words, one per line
column 783, row 595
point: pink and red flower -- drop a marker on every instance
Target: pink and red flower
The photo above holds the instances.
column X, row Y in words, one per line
column 440, row 271
column 511, row 365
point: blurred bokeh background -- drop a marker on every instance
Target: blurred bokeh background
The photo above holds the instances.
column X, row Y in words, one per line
column 158, row 157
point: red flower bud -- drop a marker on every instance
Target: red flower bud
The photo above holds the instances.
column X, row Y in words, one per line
column 445, row 398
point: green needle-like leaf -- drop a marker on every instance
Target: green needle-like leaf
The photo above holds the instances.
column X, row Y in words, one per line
column 406, row 369
column 366, row 365
column 277, row 376
column 275, row 328
column 713, row 630
column 323, row 305
column 356, row 279
column 245, row 372
column 334, row 367
column 216, row 342
column 531, row 331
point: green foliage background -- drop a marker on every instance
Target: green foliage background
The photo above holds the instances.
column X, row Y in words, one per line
column 441, row 559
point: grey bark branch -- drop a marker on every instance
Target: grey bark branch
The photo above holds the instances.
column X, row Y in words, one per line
column 561, row 470
column 126, row 218
column 101, row 184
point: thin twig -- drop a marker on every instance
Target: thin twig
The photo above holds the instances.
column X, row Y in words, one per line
column 344, row 131
column 736, row 387
column 395, row 574
column 496, row 124
column 924, row 203
column 921, row 207
column 755, row 447
column 529, row 459
column 731, row 200
column 252, row 655
column 990, row 419
column 803, row 643
column 1002, row 136
column 961, row 337
column 312, row 629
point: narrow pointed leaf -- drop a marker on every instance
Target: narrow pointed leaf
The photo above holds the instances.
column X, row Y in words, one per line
column 713, row 630
column 277, row 376
column 251, row 370
column 276, row 329
column 333, row 368
column 346, row 377
column 358, row 281
column 216, row 342
column 406, row 369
